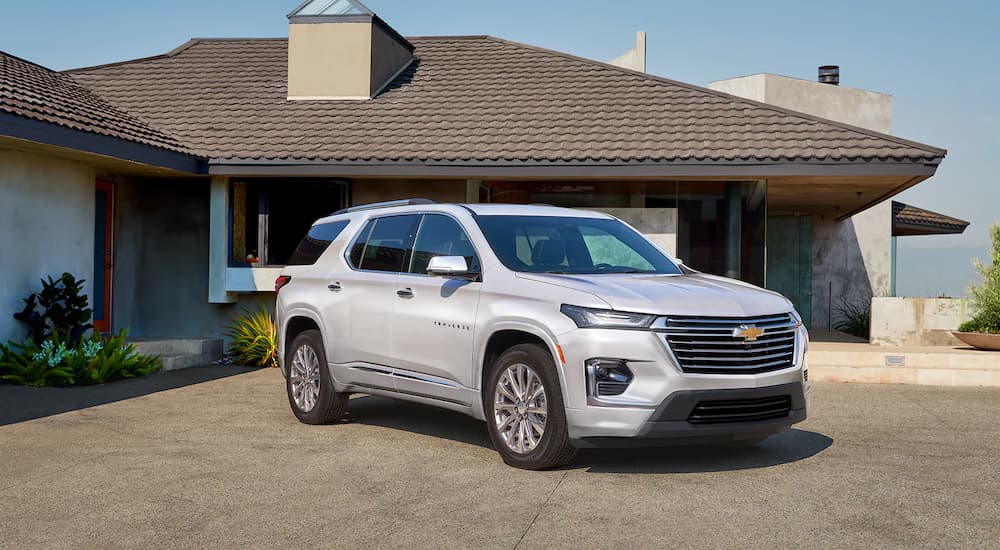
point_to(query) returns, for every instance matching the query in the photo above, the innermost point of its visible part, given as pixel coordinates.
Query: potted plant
(983, 330)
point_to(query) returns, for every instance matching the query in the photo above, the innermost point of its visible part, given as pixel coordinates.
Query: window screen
(316, 242)
(389, 244)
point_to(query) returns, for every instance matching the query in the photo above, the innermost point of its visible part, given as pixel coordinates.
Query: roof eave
(708, 168)
(27, 129)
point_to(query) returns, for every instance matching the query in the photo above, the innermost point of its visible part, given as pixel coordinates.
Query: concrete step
(182, 353)
(920, 365)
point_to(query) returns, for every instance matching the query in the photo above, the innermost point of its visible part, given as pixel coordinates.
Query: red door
(103, 255)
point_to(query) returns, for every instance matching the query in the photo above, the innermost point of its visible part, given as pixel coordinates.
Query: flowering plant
(95, 360)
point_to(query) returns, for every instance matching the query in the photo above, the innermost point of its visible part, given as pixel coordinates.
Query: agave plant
(854, 318)
(254, 339)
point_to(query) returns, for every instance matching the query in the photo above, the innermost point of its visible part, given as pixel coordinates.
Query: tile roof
(910, 220)
(32, 91)
(471, 100)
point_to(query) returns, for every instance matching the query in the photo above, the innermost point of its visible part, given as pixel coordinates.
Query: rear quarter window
(316, 242)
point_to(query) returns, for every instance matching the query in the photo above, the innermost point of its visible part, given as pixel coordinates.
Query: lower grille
(605, 389)
(741, 410)
(731, 345)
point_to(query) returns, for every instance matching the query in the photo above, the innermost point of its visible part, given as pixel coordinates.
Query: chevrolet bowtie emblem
(747, 333)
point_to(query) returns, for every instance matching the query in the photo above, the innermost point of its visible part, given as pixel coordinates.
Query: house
(179, 184)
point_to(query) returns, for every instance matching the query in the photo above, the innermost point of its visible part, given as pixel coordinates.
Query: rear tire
(309, 386)
(521, 398)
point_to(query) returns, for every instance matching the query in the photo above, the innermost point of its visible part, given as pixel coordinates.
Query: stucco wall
(388, 57)
(46, 228)
(161, 268)
(863, 108)
(917, 321)
(852, 259)
(329, 61)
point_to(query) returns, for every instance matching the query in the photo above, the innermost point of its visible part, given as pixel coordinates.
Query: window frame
(406, 254)
(409, 251)
(345, 186)
(423, 216)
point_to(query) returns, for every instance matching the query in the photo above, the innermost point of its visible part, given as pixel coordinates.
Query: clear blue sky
(940, 60)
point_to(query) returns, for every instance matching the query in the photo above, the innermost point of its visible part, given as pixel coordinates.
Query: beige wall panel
(329, 60)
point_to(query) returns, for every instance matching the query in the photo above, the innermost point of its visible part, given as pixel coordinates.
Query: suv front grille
(741, 410)
(706, 345)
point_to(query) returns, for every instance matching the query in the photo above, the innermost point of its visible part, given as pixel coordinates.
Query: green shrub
(21, 363)
(59, 309)
(254, 339)
(854, 318)
(95, 360)
(986, 295)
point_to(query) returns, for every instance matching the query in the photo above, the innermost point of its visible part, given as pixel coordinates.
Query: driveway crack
(540, 508)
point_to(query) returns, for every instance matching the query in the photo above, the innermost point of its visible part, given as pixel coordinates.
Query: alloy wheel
(304, 378)
(519, 408)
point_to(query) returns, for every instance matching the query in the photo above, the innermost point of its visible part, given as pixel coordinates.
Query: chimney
(829, 74)
(635, 58)
(341, 50)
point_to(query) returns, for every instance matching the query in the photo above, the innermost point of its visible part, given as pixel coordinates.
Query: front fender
(523, 325)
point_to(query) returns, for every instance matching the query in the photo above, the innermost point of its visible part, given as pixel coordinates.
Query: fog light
(607, 377)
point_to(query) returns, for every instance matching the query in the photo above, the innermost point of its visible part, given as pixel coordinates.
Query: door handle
(405, 293)
(335, 287)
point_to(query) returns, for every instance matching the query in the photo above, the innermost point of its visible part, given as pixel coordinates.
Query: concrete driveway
(224, 464)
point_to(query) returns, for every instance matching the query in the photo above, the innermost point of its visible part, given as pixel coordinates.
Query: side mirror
(679, 261)
(449, 266)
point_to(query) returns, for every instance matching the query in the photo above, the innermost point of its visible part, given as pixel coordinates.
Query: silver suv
(560, 328)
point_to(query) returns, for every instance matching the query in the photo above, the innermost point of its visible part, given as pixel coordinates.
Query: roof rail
(379, 205)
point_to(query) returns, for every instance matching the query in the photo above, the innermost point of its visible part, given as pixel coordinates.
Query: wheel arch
(297, 322)
(507, 335)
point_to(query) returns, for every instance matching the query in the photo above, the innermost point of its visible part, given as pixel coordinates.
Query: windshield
(553, 244)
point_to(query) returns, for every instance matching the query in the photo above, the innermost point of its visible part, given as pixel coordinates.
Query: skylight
(332, 8)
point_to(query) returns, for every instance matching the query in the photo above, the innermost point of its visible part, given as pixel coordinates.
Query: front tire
(310, 389)
(524, 409)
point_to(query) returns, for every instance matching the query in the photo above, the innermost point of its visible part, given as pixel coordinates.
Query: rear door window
(388, 247)
(316, 242)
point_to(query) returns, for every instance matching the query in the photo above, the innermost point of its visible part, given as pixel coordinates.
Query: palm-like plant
(254, 339)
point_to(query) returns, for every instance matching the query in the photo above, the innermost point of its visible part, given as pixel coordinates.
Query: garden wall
(917, 321)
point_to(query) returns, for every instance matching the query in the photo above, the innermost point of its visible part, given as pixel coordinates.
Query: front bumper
(655, 407)
(668, 424)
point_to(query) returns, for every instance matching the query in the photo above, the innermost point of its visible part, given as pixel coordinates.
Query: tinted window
(316, 242)
(390, 240)
(358, 248)
(441, 236)
(543, 244)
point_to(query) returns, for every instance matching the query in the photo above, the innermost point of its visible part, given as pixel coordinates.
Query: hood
(698, 294)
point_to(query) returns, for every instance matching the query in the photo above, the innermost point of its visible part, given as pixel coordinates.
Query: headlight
(796, 317)
(603, 318)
